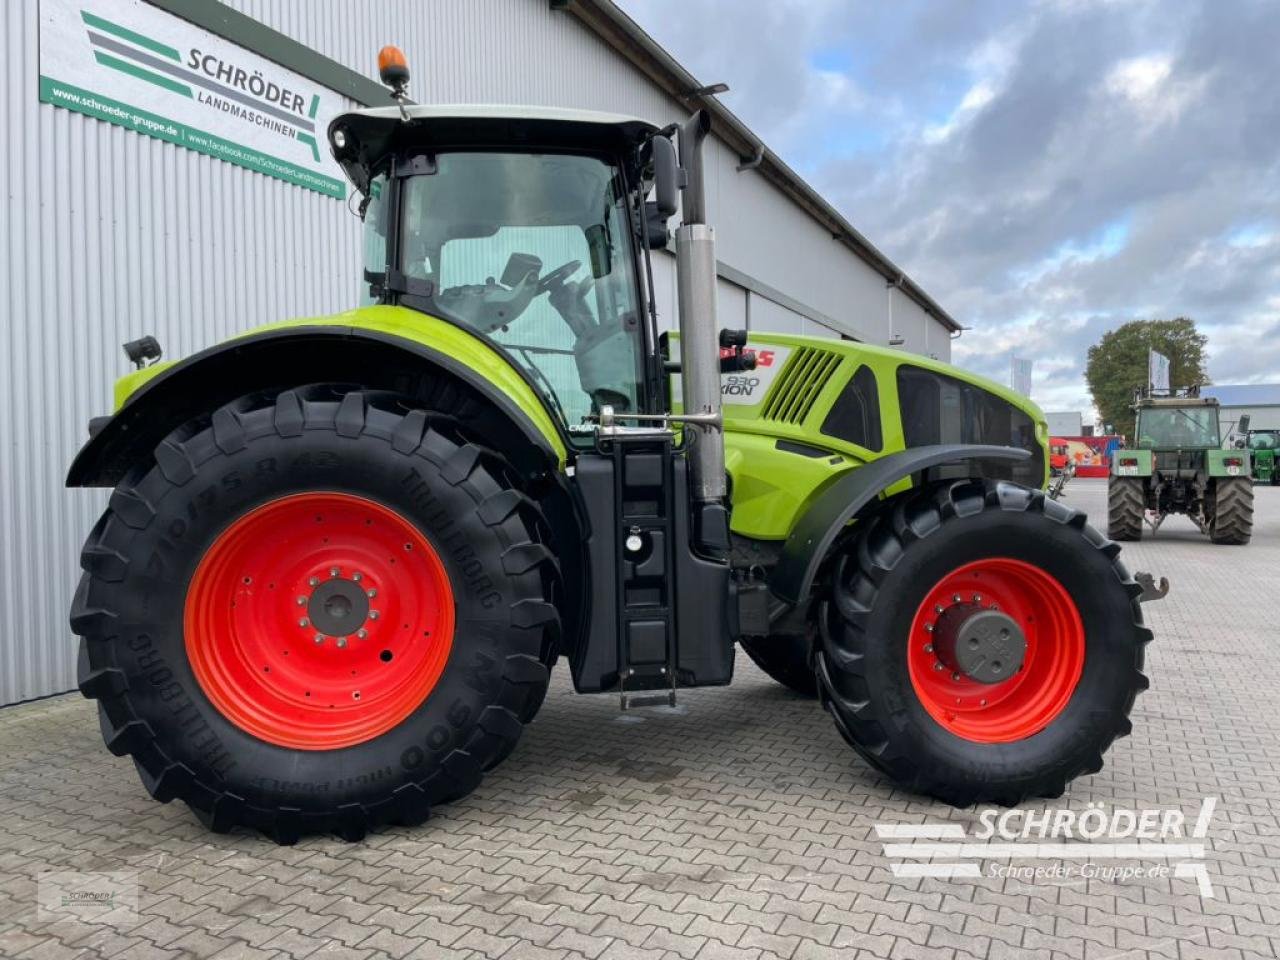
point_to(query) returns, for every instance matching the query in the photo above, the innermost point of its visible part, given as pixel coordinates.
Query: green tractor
(1262, 446)
(1180, 467)
(342, 556)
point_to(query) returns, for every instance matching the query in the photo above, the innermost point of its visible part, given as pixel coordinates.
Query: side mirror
(666, 176)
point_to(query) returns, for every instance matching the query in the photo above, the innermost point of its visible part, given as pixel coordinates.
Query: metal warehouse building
(1260, 401)
(127, 217)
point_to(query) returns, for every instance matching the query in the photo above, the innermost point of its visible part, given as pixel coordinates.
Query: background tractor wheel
(1126, 504)
(1232, 511)
(981, 643)
(316, 612)
(786, 659)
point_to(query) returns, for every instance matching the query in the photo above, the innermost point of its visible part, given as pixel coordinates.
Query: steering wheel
(558, 276)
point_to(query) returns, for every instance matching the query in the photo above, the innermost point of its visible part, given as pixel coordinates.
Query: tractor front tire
(785, 658)
(1126, 504)
(316, 612)
(1232, 511)
(949, 562)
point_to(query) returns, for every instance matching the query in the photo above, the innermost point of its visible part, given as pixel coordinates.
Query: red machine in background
(1090, 455)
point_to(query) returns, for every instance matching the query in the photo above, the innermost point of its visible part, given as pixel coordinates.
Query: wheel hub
(338, 607)
(987, 646)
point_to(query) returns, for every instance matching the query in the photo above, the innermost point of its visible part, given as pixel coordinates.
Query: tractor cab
(520, 225)
(1178, 423)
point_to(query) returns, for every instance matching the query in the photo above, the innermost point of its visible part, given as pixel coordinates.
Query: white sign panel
(1158, 370)
(129, 63)
(1020, 375)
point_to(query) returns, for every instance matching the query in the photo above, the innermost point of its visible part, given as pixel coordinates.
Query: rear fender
(817, 529)
(1228, 463)
(290, 356)
(1132, 463)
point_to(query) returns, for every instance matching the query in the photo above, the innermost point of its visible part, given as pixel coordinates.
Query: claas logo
(764, 358)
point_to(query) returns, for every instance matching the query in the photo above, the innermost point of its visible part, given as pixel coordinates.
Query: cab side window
(936, 408)
(855, 416)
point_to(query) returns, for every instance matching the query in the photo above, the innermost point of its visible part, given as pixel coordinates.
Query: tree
(1117, 364)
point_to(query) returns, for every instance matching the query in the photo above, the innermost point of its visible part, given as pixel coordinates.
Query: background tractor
(1263, 445)
(343, 555)
(1179, 467)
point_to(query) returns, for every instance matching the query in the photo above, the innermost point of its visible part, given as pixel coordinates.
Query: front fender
(832, 510)
(378, 356)
(1229, 463)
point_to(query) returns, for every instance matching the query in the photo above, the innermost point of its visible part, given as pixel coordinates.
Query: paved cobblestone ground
(736, 826)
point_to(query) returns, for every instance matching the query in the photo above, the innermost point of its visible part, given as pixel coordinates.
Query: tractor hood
(815, 408)
(363, 139)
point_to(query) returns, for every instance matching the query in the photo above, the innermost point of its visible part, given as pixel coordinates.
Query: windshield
(532, 251)
(1178, 427)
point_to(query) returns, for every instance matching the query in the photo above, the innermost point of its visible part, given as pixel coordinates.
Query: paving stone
(738, 826)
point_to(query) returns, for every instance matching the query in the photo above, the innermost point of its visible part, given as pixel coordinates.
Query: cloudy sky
(1046, 170)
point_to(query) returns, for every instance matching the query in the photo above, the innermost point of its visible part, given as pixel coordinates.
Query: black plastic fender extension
(840, 502)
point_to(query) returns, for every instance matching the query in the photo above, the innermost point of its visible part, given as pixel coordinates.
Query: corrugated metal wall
(109, 234)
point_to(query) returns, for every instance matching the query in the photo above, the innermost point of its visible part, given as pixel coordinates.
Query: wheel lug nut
(937, 608)
(955, 598)
(928, 648)
(955, 676)
(302, 601)
(362, 633)
(342, 641)
(928, 628)
(314, 581)
(319, 638)
(982, 703)
(937, 666)
(334, 571)
(977, 598)
(372, 594)
(357, 576)
(304, 622)
(373, 614)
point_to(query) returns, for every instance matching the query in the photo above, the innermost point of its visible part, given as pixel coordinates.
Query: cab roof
(1148, 402)
(362, 139)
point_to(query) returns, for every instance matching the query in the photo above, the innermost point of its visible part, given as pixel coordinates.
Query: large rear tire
(1006, 555)
(316, 612)
(1232, 521)
(786, 659)
(1126, 504)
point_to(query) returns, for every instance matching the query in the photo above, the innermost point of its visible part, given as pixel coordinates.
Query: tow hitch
(1150, 590)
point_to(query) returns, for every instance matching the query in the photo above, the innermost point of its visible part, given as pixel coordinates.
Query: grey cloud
(986, 217)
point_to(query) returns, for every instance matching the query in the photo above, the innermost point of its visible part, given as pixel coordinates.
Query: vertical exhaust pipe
(699, 331)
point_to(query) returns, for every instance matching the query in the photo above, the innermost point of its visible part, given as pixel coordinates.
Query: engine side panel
(815, 409)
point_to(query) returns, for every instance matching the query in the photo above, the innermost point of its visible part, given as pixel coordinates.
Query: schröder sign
(129, 63)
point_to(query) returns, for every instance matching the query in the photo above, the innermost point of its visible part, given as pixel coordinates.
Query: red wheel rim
(1029, 700)
(269, 587)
